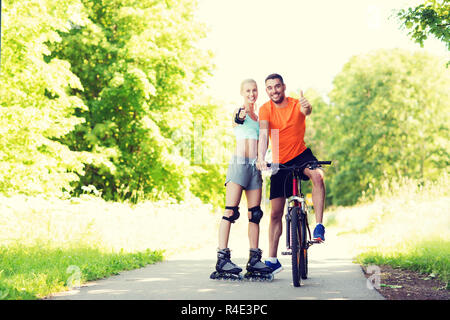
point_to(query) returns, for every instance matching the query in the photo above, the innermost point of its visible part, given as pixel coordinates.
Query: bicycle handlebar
(309, 164)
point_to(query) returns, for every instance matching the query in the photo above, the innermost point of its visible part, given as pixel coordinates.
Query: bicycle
(298, 234)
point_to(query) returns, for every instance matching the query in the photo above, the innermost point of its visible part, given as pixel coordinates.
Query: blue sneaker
(276, 267)
(319, 233)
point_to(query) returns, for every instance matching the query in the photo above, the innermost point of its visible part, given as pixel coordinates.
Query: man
(283, 118)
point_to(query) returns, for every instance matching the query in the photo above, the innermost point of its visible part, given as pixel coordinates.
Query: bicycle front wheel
(303, 260)
(296, 250)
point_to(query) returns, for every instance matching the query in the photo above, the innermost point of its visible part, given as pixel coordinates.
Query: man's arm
(263, 142)
(305, 106)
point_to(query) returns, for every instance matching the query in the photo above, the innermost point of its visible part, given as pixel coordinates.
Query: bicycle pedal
(286, 253)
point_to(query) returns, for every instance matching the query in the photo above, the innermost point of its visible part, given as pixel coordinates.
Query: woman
(243, 175)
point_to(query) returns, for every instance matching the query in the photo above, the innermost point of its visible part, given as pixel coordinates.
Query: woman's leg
(253, 200)
(232, 199)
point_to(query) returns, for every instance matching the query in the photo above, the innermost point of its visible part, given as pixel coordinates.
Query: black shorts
(281, 182)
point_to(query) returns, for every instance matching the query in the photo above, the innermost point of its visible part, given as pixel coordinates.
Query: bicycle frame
(299, 241)
(296, 200)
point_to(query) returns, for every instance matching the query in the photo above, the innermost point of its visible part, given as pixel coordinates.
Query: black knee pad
(257, 214)
(234, 216)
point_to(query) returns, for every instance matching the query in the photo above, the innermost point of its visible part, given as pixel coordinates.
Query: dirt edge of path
(402, 284)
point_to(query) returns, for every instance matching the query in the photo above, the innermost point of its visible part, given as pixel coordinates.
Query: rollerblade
(225, 269)
(256, 269)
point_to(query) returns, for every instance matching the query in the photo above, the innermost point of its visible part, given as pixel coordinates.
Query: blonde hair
(247, 81)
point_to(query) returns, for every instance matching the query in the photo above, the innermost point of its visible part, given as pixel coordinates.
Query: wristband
(237, 119)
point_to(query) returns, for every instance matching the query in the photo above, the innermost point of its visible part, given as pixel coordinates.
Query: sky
(307, 42)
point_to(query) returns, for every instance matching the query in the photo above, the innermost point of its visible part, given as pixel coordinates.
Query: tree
(389, 119)
(36, 104)
(213, 142)
(140, 69)
(430, 18)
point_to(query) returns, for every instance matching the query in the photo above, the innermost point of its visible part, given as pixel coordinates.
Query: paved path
(332, 275)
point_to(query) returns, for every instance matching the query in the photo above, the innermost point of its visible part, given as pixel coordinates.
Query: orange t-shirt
(288, 124)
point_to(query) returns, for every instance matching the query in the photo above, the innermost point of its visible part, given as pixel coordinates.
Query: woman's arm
(263, 142)
(242, 115)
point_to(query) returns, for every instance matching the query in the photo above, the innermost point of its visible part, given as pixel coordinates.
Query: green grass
(32, 272)
(430, 257)
(407, 226)
(47, 242)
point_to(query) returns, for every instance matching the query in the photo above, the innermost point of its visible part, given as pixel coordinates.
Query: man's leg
(276, 225)
(318, 192)
(318, 197)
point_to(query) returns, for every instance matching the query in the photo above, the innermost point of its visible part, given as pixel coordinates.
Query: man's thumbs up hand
(305, 106)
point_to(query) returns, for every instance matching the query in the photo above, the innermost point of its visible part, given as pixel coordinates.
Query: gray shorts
(243, 171)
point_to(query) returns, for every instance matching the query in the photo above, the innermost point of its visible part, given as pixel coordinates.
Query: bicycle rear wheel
(296, 247)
